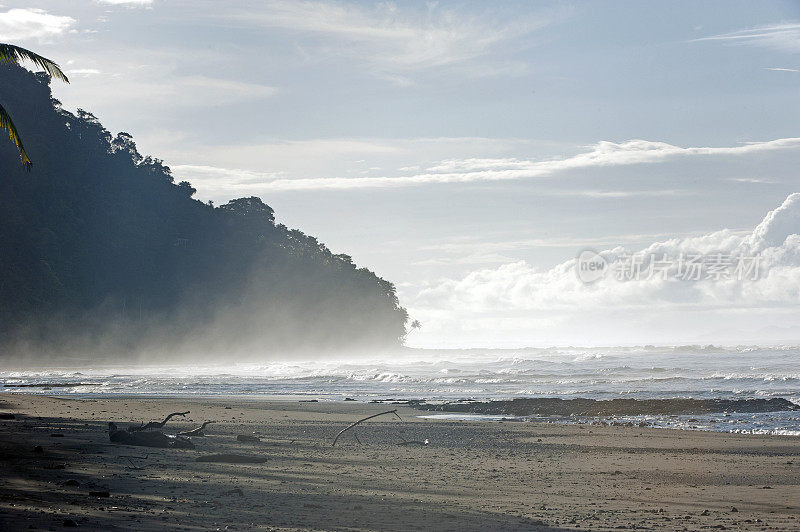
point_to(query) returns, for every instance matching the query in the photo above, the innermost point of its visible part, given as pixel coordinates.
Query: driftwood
(231, 459)
(414, 442)
(129, 458)
(147, 438)
(157, 424)
(350, 426)
(196, 432)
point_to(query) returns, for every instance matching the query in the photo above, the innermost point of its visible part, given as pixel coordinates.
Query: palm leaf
(10, 54)
(7, 124)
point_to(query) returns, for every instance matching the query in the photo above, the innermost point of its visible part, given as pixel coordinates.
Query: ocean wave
(649, 371)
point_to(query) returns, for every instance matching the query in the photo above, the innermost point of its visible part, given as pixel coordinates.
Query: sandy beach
(471, 475)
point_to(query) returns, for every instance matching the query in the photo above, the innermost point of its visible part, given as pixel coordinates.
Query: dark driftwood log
(196, 432)
(148, 438)
(157, 424)
(350, 426)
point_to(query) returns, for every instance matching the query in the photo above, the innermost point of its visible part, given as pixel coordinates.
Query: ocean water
(600, 373)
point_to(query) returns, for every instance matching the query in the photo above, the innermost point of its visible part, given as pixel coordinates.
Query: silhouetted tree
(10, 54)
(187, 188)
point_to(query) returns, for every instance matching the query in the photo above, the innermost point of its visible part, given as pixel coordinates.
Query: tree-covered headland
(102, 252)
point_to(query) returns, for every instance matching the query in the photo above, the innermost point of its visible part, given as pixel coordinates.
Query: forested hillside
(103, 251)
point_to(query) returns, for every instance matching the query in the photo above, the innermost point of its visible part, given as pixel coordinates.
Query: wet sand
(471, 475)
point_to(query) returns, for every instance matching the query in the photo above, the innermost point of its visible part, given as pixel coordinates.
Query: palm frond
(14, 54)
(7, 124)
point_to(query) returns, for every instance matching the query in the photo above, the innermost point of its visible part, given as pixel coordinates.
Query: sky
(470, 151)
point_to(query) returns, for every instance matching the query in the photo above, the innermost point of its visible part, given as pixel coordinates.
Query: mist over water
(600, 373)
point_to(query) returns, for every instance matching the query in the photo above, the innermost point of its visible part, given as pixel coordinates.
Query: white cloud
(29, 23)
(146, 85)
(222, 90)
(193, 90)
(284, 154)
(777, 225)
(467, 245)
(521, 292)
(616, 194)
(776, 69)
(395, 38)
(126, 2)
(83, 71)
(782, 37)
(476, 258)
(504, 169)
(208, 177)
(754, 180)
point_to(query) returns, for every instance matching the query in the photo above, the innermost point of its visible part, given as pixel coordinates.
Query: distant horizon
(146, 361)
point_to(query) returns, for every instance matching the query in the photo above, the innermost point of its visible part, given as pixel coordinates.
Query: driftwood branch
(130, 458)
(196, 432)
(404, 441)
(414, 442)
(158, 424)
(350, 426)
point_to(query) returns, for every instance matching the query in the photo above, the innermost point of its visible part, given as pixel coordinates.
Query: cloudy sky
(469, 151)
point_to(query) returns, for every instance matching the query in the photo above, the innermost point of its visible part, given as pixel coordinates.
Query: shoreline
(471, 475)
(754, 416)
